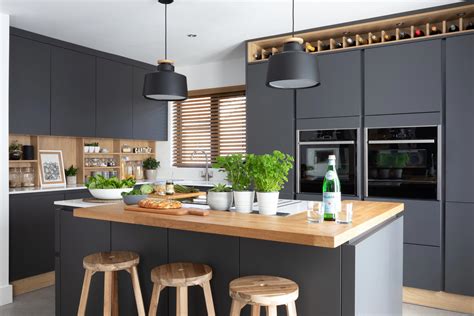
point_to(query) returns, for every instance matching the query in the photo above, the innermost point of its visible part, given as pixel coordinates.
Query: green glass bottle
(331, 191)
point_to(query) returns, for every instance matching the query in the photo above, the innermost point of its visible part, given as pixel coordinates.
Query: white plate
(108, 194)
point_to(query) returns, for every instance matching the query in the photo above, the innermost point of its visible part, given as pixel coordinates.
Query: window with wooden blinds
(214, 124)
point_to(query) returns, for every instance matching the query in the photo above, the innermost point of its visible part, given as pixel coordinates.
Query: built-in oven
(403, 162)
(314, 148)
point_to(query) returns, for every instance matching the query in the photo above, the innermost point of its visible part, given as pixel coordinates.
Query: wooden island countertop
(290, 229)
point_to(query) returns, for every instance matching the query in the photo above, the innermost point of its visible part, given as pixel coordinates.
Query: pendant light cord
(293, 18)
(166, 31)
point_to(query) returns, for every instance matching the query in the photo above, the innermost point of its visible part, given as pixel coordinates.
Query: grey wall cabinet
(29, 87)
(270, 119)
(459, 262)
(114, 99)
(404, 78)
(340, 92)
(73, 93)
(459, 114)
(32, 234)
(150, 118)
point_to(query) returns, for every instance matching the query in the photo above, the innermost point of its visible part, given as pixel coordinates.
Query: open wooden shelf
(23, 161)
(335, 39)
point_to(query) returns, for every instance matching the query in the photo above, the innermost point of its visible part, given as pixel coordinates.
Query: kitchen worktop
(289, 229)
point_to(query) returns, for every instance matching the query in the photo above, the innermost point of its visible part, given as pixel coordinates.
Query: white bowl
(108, 194)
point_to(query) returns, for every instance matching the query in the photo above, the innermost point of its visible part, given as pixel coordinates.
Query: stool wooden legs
(85, 293)
(255, 310)
(291, 309)
(137, 291)
(271, 310)
(206, 286)
(236, 308)
(182, 301)
(155, 299)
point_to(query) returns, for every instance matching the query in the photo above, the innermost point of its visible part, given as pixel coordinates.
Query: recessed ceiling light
(192, 35)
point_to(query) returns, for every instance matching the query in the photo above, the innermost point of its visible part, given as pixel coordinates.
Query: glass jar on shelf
(138, 170)
(15, 178)
(28, 177)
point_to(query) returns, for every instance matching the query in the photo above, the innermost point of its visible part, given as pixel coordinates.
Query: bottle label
(331, 202)
(331, 175)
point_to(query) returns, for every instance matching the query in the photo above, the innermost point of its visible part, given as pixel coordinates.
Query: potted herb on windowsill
(15, 151)
(238, 174)
(71, 175)
(269, 173)
(151, 165)
(220, 197)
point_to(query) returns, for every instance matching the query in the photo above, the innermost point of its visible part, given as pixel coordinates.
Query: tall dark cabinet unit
(114, 99)
(73, 93)
(30, 73)
(459, 262)
(270, 119)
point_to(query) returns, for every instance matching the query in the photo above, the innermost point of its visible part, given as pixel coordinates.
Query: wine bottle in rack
(388, 38)
(324, 46)
(350, 42)
(338, 45)
(419, 33)
(453, 28)
(374, 38)
(310, 48)
(257, 56)
(404, 35)
(267, 54)
(470, 26)
(434, 30)
(361, 40)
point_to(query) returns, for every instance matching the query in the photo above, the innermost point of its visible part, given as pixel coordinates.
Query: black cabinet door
(30, 73)
(150, 118)
(403, 78)
(114, 99)
(72, 93)
(340, 91)
(422, 267)
(32, 234)
(459, 114)
(270, 119)
(459, 262)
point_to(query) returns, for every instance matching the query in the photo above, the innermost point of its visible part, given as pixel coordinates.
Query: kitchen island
(340, 269)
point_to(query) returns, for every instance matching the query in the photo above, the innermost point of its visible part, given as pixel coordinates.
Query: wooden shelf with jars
(74, 153)
(437, 23)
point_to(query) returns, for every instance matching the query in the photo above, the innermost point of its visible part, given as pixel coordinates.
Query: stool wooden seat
(110, 263)
(262, 290)
(181, 275)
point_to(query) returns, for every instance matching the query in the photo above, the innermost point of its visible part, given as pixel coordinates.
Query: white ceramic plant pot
(243, 201)
(220, 201)
(97, 149)
(86, 149)
(267, 202)
(150, 174)
(71, 180)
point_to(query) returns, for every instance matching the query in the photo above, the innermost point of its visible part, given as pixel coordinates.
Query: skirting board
(441, 300)
(6, 294)
(33, 283)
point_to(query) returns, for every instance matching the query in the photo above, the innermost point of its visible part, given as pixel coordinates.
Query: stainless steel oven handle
(342, 142)
(403, 141)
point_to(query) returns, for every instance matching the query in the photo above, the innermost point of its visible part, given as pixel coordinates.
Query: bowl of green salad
(109, 188)
(136, 195)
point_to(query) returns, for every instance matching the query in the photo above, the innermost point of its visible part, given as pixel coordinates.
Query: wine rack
(432, 24)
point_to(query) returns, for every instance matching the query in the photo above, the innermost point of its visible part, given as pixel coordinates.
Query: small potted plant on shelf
(401, 160)
(238, 174)
(86, 148)
(96, 148)
(151, 165)
(15, 150)
(269, 173)
(71, 175)
(220, 197)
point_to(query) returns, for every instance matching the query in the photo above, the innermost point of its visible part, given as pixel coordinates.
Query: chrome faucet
(206, 175)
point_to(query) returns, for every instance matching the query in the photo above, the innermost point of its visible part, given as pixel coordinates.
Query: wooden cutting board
(177, 211)
(177, 196)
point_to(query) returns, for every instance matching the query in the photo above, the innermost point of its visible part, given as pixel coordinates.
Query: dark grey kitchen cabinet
(30, 71)
(114, 99)
(459, 260)
(150, 118)
(459, 114)
(73, 93)
(32, 234)
(340, 91)
(270, 119)
(422, 267)
(404, 78)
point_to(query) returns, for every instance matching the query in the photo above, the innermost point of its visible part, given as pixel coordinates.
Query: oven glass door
(313, 162)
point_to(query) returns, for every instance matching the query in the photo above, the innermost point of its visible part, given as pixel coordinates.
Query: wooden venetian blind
(214, 124)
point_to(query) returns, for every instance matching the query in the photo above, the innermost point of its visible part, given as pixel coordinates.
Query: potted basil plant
(15, 150)
(151, 165)
(238, 174)
(220, 197)
(71, 175)
(269, 173)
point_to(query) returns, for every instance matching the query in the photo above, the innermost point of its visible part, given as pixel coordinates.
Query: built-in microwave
(403, 162)
(313, 150)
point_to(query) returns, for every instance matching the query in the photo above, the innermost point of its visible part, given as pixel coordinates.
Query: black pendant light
(293, 68)
(165, 84)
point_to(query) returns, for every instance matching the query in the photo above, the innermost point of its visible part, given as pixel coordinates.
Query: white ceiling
(134, 28)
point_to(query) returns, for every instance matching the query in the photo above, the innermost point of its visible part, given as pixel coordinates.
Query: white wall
(212, 75)
(5, 288)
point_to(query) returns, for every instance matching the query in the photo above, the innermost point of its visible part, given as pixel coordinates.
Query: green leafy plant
(401, 160)
(184, 189)
(237, 169)
(151, 163)
(15, 146)
(133, 192)
(392, 160)
(220, 187)
(99, 182)
(146, 189)
(71, 171)
(270, 171)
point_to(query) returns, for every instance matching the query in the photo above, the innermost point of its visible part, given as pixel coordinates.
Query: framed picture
(51, 168)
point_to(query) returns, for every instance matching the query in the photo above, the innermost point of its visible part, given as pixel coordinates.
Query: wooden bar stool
(180, 276)
(110, 263)
(262, 290)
